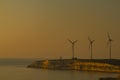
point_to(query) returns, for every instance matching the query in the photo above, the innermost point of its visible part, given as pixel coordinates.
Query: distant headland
(96, 65)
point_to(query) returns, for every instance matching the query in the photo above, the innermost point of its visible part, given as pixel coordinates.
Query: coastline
(95, 65)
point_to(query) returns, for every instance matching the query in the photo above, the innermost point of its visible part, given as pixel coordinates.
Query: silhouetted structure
(109, 43)
(73, 44)
(91, 46)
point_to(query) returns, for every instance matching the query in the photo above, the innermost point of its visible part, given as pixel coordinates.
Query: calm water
(14, 69)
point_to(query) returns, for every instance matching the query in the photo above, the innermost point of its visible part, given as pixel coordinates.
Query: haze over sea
(15, 69)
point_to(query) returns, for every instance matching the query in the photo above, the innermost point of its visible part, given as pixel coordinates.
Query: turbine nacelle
(72, 42)
(109, 38)
(91, 41)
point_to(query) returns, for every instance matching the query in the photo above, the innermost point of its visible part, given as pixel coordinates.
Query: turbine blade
(89, 39)
(70, 41)
(75, 41)
(93, 40)
(108, 36)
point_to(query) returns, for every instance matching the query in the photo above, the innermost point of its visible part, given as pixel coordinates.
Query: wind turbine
(73, 44)
(91, 46)
(109, 43)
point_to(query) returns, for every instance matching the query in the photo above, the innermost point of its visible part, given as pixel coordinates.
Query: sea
(16, 69)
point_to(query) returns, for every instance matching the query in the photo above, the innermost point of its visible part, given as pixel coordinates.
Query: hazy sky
(40, 28)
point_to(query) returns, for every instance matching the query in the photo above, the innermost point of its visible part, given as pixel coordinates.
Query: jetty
(98, 65)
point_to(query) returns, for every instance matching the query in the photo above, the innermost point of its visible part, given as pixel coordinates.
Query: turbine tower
(73, 44)
(109, 43)
(91, 46)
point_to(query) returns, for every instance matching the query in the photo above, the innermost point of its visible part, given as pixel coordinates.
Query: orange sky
(40, 28)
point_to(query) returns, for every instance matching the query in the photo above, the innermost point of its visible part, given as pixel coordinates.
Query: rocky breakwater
(70, 64)
(52, 64)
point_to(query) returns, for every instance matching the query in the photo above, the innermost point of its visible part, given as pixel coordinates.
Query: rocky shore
(99, 65)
